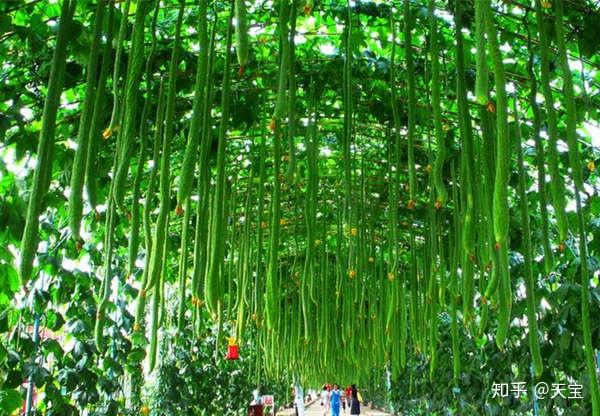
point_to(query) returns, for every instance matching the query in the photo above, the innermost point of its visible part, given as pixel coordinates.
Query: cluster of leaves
(59, 356)
(194, 378)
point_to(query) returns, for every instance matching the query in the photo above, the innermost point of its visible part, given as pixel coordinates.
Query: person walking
(355, 402)
(299, 399)
(335, 400)
(325, 399)
(348, 396)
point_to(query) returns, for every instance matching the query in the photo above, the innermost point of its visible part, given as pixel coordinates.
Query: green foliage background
(192, 377)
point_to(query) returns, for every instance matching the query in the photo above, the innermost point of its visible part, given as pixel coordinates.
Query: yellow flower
(107, 133)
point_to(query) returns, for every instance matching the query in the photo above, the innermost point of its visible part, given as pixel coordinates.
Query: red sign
(268, 400)
(232, 352)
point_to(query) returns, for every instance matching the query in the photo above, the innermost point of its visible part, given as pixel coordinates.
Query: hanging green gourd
(106, 284)
(212, 290)
(272, 288)
(241, 35)
(440, 140)
(134, 238)
(158, 246)
(284, 55)
(132, 84)
(183, 267)
(467, 260)
(43, 168)
(500, 202)
(83, 135)
(148, 204)
(412, 102)
(393, 243)
(291, 113)
(481, 74)
(540, 160)
(100, 99)
(487, 152)
(347, 136)
(201, 246)
(402, 330)
(557, 186)
(532, 321)
(116, 114)
(186, 177)
(158, 309)
(310, 214)
(260, 226)
(453, 240)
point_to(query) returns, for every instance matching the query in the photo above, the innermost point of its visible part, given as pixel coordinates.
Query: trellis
(309, 265)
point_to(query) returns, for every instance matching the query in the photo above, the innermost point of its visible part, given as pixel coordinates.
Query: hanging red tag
(233, 352)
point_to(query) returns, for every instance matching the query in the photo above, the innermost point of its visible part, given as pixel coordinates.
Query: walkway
(315, 409)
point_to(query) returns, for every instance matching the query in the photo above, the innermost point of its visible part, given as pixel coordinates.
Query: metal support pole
(31, 384)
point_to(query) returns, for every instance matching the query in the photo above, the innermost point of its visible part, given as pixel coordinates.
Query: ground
(316, 410)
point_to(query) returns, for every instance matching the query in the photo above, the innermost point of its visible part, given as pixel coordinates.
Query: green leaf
(52, 346)
(3, 354)
(54, 320)
(11, 282)
(10, 400)
(588, 38)
(4, 23)
(136, 356)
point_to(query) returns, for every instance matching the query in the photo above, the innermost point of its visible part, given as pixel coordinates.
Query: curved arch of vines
(413, 158)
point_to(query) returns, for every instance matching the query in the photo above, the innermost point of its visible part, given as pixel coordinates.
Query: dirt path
(316, 410)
